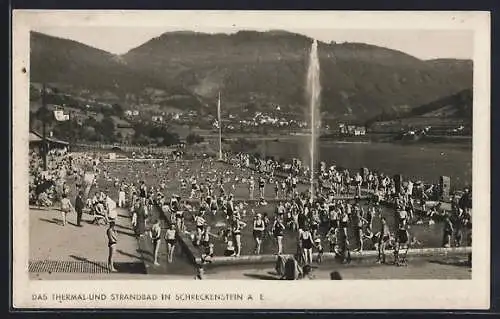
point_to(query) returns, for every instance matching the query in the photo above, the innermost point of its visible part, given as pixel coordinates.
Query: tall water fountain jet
(313, 91)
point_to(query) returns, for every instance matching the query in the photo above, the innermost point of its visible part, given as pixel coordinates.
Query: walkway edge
(369, 254)
(192, 253)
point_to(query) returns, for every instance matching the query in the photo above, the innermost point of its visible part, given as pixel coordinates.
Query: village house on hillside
(352, 129)
(131, 113)
(157, 118)
(360, 130)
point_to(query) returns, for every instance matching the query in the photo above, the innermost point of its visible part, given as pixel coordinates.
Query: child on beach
(66, 207)
(230, 249)
(208, 254)
(319, 248)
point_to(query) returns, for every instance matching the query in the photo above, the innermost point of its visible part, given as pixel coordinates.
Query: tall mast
(220, 128)
(44, 129)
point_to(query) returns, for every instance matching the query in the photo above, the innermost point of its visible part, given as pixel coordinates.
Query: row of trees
(53, 96)
(105, 131)
(146, 134)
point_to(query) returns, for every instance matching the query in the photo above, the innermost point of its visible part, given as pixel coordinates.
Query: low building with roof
(36, 142)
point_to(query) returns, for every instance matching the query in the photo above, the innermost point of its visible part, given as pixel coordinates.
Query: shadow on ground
(52, 221)
(125, 233)
(122, 267)
(261, 276)
(458, 263)
(83, 259)
(127, 254)
(123, 227)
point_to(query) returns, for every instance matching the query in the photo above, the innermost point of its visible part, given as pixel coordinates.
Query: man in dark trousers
(465, 201)
(79, 205)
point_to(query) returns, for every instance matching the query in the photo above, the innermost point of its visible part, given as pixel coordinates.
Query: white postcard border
(347, 294)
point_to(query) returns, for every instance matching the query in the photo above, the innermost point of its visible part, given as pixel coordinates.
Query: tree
(106, 129)
(117, 109)
(170, 139)
(34, 93)
(147, 133)
(194, 138)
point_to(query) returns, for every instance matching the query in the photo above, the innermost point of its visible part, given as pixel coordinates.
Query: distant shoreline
(369, 138)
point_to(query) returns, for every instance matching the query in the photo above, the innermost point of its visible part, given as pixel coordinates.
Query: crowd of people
(408, 198)
(311, 221)
(327, 217)
(48, 184)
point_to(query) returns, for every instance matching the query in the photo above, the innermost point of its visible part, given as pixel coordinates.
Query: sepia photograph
(268, 151)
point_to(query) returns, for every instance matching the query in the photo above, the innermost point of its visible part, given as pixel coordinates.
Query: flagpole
(44, 129)
(72, 132)
(220, 128)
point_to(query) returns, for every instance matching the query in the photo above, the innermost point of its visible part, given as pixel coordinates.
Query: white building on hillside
(157, 118)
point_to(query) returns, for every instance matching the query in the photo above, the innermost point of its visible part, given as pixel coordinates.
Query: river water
(426, 162)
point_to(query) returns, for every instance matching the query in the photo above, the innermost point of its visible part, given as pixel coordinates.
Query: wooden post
(45, 147)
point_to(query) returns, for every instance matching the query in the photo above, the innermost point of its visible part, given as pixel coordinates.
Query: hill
(358, 80)
(446, 113)
(55, 60)
(188, 69)
(455, 106)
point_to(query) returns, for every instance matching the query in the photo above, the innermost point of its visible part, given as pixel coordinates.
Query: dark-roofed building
(36, 141)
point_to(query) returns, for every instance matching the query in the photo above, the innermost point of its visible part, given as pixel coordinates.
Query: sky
(423, 44)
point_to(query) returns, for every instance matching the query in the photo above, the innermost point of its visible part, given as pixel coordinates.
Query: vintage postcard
(231, 159)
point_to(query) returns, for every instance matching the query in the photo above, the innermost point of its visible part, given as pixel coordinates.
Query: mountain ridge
(358, 80)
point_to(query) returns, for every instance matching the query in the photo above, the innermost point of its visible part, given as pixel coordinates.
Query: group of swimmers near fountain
(340, 205)
(315, 220)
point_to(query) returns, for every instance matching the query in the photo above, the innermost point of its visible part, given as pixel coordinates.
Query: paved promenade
(415, 270)
(74, 253)
(68, 249)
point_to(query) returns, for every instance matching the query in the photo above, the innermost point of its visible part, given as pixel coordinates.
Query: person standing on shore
(112, 241)
(200, 227)
(171, 239)
(276, 190)
(79, 205)
(251, 187)
(357, 226)
(284, 194)
(383, 238)
(258, 232)
(155, 233)
(66, 208)
(347, 181)
(143, 190)
(277, 230)
(319, 247)
(111, 208)
(447, 232)
(465, 202)
(262, 184)
(369, 181)
(292, 269)
(139, 217)
(200, 273)
(358, 180)
(307, 244)
(237, 225)
(376, 181)
(121, 197)
(409, 190)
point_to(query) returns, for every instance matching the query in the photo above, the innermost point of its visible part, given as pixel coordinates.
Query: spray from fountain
(313, 91)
